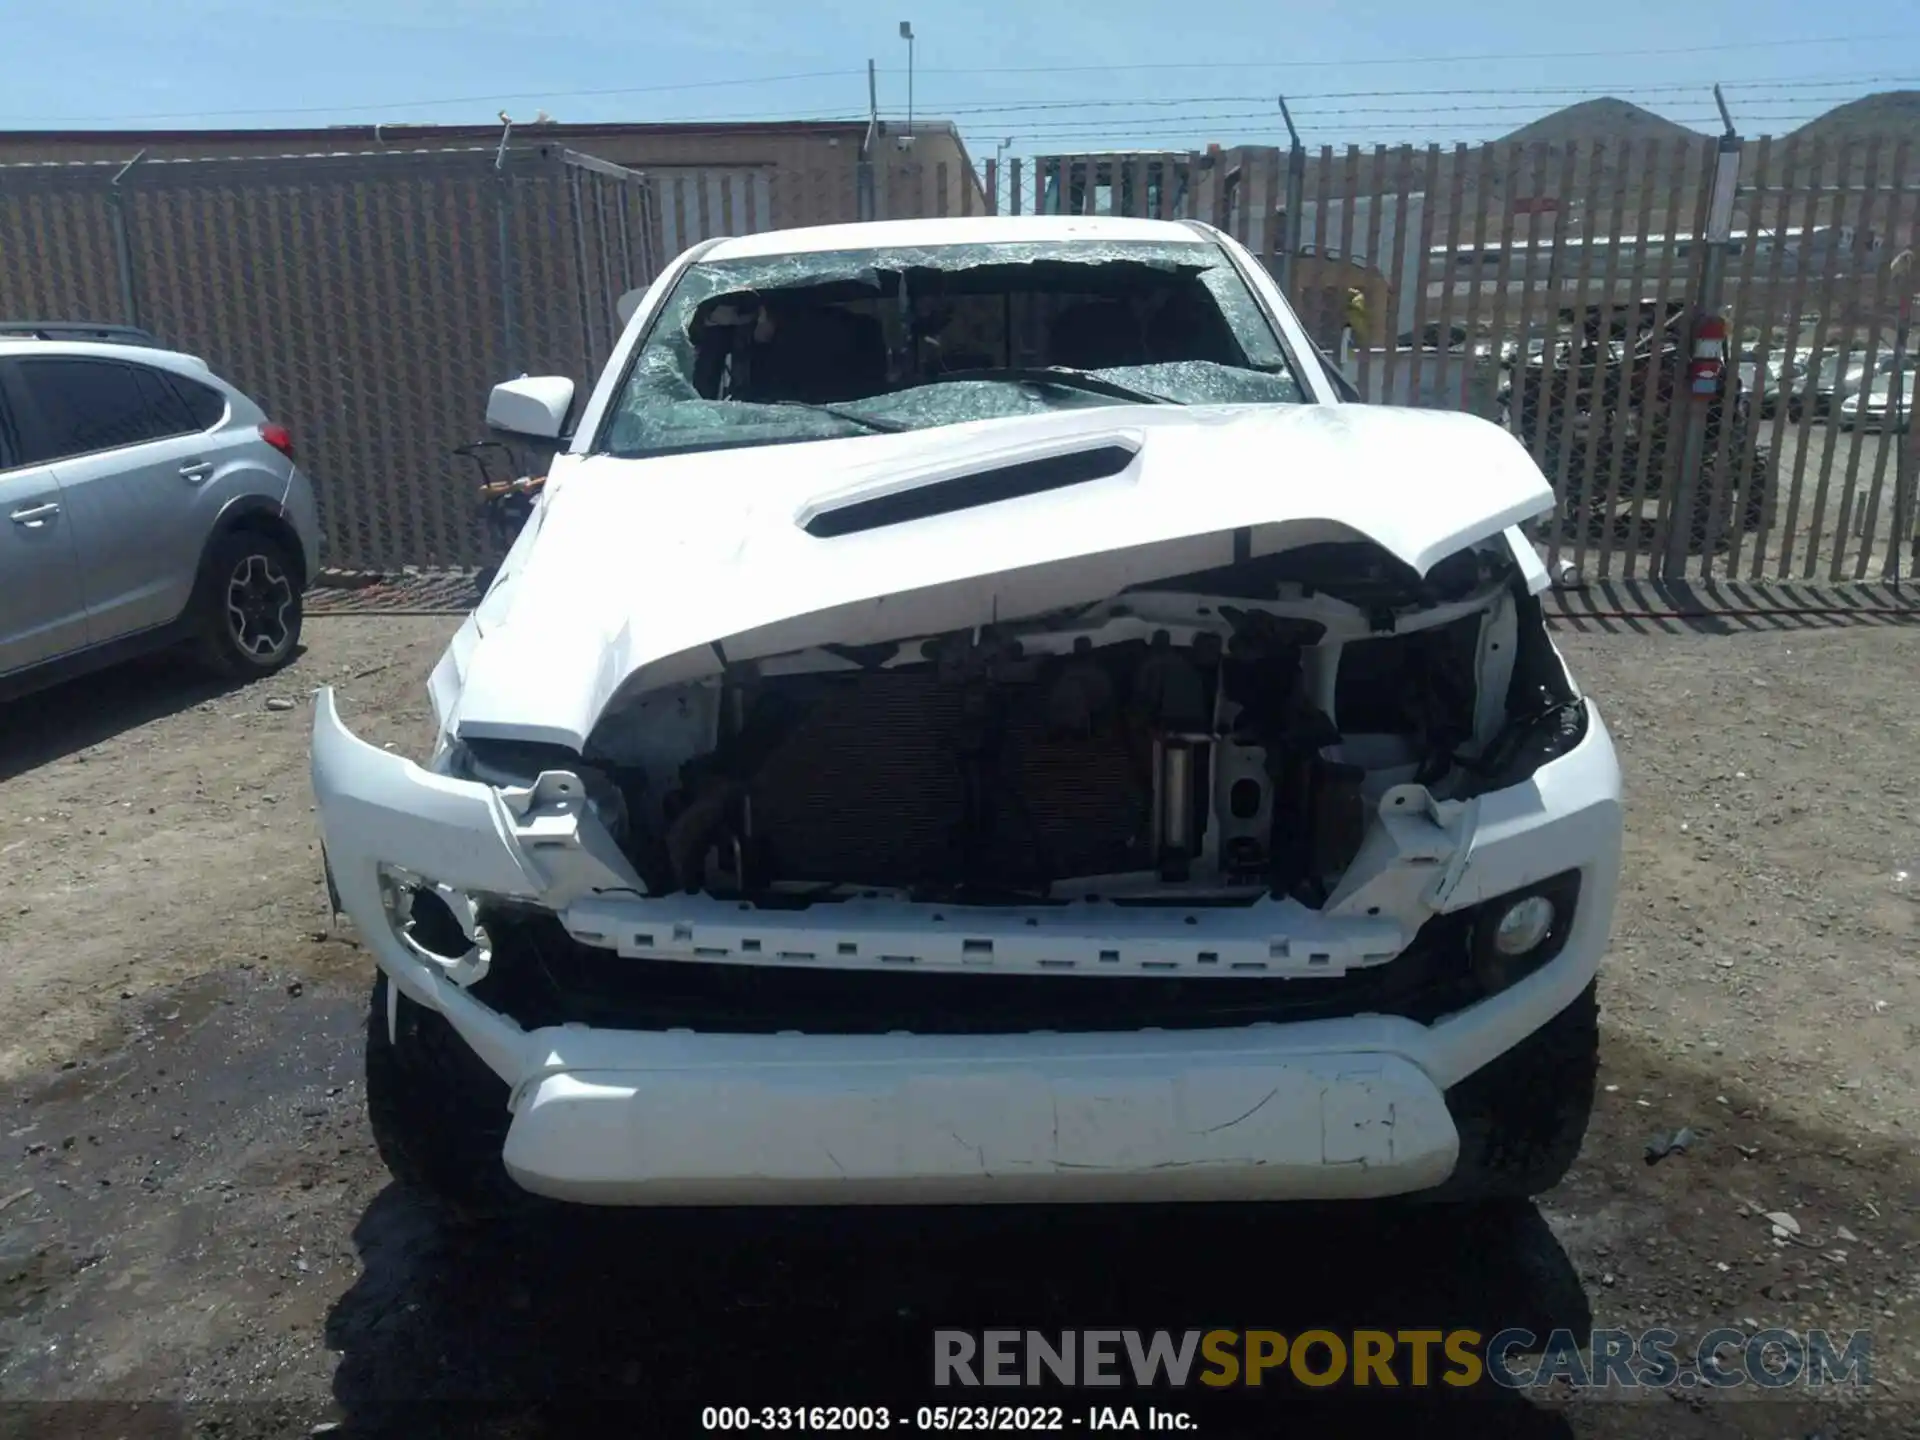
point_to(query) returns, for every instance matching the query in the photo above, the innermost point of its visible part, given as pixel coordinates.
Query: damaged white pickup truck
(974, 717)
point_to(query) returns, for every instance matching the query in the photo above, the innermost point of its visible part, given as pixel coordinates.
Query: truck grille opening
(977, 772)
(1144, 747)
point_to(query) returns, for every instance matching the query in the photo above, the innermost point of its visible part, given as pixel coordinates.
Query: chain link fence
(367, 301)
(370, 301)
(1553, 289)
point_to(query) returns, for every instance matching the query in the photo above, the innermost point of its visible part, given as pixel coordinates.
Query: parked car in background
(147, 503)
(1819, 390)
(1843, 376)
(1604, 392)
(974, 715)
(1874, 408)
(1778, 382)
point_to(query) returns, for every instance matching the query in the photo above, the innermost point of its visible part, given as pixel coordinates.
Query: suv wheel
(1523, 1117)
(252, 610)
(438, 1114)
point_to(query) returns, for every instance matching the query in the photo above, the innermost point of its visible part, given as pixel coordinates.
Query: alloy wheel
(259, 600)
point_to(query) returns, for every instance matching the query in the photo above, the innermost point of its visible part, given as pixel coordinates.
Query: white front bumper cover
(1334, 1108)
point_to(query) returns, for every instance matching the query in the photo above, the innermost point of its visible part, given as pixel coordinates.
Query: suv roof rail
(78, 330)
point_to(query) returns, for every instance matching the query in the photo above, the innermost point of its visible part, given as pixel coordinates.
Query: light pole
(906, 34)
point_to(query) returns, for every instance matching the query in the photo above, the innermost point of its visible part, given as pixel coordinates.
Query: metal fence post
(578, 212)
(865, 201)
(503, 208)
(1688, 480)
(1899, 424)
(1289, 236)
(122, 241)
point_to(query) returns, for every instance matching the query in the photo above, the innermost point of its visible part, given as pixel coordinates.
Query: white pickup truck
(973, 717)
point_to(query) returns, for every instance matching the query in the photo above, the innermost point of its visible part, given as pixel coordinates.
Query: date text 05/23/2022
(943, 1419)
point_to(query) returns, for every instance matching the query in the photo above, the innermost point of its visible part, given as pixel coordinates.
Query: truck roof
(958, 230)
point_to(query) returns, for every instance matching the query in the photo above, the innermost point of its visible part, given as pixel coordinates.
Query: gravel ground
(191, 1212)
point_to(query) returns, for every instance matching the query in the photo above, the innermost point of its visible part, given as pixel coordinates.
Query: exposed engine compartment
(982, 771)
(1210, 738)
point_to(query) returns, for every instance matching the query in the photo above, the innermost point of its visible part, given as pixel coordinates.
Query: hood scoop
(950, 494)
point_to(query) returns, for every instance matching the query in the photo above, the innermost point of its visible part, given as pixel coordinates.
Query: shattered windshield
(840, 343)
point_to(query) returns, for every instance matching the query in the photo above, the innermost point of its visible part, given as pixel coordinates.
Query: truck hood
(645, 573)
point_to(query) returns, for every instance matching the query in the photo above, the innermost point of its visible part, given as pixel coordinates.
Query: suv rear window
(208, 405)
(79, 406)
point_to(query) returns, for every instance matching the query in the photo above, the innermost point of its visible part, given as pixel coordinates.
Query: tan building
(369, 284)
(714, 179)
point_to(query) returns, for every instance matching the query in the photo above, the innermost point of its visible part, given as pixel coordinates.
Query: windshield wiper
(879, 427)
(1063, 376)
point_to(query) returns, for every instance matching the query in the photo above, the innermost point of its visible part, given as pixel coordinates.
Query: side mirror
(533, 405)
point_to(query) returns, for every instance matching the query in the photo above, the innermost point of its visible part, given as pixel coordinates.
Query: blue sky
(1052, 77)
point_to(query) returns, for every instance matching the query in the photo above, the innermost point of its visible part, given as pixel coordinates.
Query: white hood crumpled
(645, 573)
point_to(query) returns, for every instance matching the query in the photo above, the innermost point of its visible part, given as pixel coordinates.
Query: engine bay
(1210, 738)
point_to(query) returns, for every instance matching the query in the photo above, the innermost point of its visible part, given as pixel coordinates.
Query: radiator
(868, 786)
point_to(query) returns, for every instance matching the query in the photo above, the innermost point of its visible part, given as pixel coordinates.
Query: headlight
(1517, 933)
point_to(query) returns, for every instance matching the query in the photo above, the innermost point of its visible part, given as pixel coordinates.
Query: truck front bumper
(1350, 1107)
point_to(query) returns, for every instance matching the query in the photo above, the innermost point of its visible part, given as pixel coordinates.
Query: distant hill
(1863, 138)
(1847, 136)
(1609, 163)
(1606, 118)
(1893, 114)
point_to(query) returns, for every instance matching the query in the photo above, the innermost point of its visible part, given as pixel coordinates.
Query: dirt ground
(191, 1211)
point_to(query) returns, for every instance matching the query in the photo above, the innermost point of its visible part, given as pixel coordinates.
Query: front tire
(1522, 1117)
(250, 610)
(439, 1115)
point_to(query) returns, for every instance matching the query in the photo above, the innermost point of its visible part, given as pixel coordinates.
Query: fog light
(1516, 936)
(1522, 926)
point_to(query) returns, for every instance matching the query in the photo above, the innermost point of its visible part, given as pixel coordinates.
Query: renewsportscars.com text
(1626, 1359)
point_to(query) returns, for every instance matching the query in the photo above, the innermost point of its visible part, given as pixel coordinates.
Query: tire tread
(438, 1114)
(1522, 1117)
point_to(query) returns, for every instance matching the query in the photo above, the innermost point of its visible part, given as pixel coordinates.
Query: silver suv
(147, 504)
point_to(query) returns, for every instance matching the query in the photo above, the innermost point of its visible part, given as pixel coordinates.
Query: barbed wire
(498, 98)
(1267, 121)
(1348, 64)
(1783, 90)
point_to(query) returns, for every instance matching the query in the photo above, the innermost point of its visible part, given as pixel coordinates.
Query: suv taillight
(279, 437)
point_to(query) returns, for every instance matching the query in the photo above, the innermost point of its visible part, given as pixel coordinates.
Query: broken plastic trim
(544, 977)
(1546, 718)
(965, 492)
(437, 924)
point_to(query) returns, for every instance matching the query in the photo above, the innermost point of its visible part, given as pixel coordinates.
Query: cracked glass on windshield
(843, 343)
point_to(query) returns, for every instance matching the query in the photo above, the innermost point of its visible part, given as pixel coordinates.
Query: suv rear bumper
(302, 514)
